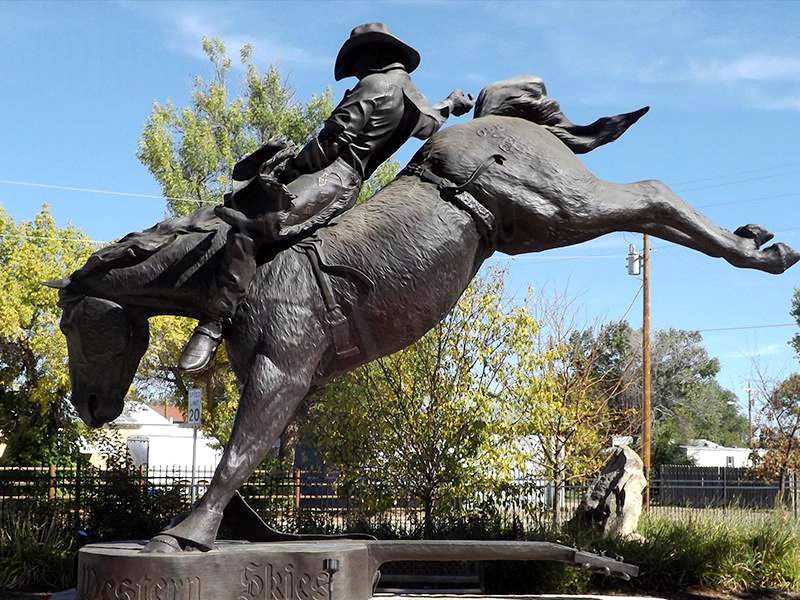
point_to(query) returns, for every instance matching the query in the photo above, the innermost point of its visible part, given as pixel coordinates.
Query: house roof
(173, 413)
(703, 444)
(136, 414)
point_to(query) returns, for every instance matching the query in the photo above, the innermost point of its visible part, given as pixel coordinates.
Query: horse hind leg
(652, 207)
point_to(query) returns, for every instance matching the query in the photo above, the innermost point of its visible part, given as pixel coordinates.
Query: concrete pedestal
(320, 570)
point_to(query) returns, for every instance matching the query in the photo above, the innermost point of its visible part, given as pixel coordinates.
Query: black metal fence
(311, 501)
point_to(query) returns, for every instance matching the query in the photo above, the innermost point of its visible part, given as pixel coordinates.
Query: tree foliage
(36, 420)
(687, 400)
(796, 314)
(191, 152)
(428, 421)
(779, 433)
(562, 396)
(480, 399)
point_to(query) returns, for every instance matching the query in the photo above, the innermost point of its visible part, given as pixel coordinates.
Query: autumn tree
(36, 421)
(428, 422)
(796, 314)
(562, 396)
(779, 431)
(191, 152)
(779, 417)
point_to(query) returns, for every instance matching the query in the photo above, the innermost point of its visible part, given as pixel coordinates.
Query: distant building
(156, 441)
(172, 413)
(705, 453)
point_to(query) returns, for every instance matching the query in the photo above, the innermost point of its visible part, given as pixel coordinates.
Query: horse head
(105, 343)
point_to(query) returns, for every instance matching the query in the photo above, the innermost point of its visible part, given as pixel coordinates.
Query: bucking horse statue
(370, 282)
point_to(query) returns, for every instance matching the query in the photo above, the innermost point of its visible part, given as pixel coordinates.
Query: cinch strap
(458, 195)
(337, 321)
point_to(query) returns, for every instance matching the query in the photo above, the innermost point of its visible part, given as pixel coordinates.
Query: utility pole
(749, 391)
(640, 265)
(647, 376)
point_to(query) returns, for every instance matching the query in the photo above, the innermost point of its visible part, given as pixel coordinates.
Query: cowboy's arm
(457, 103)
(344, 125)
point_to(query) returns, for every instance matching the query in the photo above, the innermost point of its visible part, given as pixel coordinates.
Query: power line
(99, 191)
(748, 200)
(198, 201)
(639, 291)
(748, 327)
(738, 328)
(707, 187)
(761, 170)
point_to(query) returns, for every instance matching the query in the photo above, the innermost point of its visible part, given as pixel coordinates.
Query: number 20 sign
(195, 407)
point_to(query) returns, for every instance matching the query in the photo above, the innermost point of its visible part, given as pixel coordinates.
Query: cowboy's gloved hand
(261, 228)
(460, 102)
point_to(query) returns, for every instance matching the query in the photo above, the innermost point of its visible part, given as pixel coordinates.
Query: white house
(156, 441)
(706, 453)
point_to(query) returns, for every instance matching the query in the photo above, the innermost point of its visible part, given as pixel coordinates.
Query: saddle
(258, 191)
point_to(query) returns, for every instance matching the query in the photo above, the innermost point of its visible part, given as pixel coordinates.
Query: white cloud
(711, 57)
(193, 26)
(753, 67)
(186, 24)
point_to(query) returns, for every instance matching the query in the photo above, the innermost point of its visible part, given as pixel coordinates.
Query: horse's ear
(58, 284)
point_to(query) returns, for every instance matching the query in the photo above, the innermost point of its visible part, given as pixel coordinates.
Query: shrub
(125, 506)
(724, 554)
(37, 550)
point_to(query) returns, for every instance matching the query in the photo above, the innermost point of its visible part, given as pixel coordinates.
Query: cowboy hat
(372, 33)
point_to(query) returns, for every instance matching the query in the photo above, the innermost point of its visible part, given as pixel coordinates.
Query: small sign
(195, 407)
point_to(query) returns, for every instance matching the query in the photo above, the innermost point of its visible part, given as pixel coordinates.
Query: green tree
(561, 402)
(429, 422)
(36, 420)
(687, 400)
(191, 152)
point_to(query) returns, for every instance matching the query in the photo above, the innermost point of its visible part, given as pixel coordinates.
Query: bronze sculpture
(371, 280)
(373, 120)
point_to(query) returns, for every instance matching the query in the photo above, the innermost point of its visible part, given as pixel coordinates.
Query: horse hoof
(162, 544)
(782, 257)
(756, 233)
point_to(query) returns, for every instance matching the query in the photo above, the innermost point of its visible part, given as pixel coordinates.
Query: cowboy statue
(323, 180)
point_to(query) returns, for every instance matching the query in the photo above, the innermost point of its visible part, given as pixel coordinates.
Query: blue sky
(723, 80)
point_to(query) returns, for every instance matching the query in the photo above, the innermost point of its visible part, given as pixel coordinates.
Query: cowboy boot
(227, 290)
(201, 348)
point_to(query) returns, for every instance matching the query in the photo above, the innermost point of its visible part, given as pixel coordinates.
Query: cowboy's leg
(229, 286)
(319, 197)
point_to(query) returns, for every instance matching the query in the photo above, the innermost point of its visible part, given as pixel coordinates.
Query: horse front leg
(652, 207)
(271, 396)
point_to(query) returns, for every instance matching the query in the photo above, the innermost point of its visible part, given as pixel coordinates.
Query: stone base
(231, 571)
(319, 570)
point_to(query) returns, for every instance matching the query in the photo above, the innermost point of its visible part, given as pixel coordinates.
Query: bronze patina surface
(331, 570)
(369, 281)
